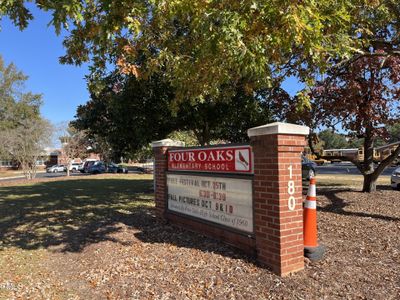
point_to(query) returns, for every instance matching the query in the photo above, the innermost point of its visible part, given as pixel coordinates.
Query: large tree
(203, 45)
(332, 140)
(74, 143)
(23, 132)
(394, 133)
(26, 142)
(127, 114)
(364, 96)
(130, 113)
(217, 119)
(16, 103)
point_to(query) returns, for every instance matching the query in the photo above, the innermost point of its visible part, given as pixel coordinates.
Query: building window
(40, 162)
(6, 163)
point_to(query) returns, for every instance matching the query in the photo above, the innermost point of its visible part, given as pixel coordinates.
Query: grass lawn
(347, 180)
(15, 173)
(5, 174)
(62, 216)
(96, 237)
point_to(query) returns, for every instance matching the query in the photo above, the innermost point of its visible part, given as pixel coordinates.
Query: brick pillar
(160, 149)
(278, 209)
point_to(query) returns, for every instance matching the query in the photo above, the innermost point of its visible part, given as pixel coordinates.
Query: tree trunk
(368, 165)
(34, 171)
(68, 162)
(206, 134)
(203, 136)
(311, 138)
(369, 184)
(199, 137)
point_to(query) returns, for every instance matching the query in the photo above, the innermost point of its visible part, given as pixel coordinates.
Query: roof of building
(388, 145)
(343, 149)
(52, 151)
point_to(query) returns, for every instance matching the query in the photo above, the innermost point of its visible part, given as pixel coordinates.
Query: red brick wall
(241, 241)
(160, 177)
(278, 230)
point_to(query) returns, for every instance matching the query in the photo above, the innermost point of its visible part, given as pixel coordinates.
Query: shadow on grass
(72, 214)
(339, 204)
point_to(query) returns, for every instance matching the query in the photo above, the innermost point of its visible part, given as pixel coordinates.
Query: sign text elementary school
(248, 196)
(225, 201)
(232, 159)
(198, 188)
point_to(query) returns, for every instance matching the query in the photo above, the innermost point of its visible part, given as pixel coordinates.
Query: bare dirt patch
(130, 255)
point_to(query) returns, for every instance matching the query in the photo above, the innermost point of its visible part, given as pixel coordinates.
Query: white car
(395, 179)
(74, 167)
(56, 168)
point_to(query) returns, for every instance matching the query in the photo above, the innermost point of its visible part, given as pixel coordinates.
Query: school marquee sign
(225, 201)
(228, 159)
(248, 196)
(211, 197)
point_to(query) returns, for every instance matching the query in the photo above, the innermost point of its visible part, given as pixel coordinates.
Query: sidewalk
(15, 175)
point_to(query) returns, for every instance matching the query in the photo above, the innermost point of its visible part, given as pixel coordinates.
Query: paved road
(59, 174)
(332, 169)
(345, 168)
(53, 175)
(43, 175)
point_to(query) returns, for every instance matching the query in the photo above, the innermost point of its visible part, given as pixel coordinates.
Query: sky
(35, 52)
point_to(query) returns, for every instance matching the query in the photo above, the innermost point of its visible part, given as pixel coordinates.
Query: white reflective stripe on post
(310, 204)
(312, 191)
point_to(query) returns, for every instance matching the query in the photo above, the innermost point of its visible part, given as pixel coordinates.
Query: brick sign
(225, 201)
(231, 159)
(247, 196)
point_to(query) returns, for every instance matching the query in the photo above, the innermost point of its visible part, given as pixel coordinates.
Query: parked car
(74, 167)
(56, 169)
(148, 169)
(86, 165)
(395, 179)
(97, 167)
(114, 168)
(308, 168)
(137, 170)
(396, 162)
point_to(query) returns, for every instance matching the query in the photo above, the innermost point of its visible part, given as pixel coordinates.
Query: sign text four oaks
(221, 200)
(233, 159)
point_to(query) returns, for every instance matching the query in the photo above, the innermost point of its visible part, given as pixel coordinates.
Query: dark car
(86, 165)
(114, 168)
(97, 168)
(308, 168)
(395, 179)
(138, 170)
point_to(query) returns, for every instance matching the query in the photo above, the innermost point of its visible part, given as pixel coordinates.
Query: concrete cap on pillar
(278, 128)
(167, 143)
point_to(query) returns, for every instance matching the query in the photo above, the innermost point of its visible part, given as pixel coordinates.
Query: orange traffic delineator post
(312, 249)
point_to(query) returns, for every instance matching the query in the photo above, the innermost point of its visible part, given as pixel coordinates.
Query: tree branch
(311, 146)
(386, 162)
(358, 56)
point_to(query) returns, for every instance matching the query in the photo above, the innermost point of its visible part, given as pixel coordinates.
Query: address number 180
(291, 190)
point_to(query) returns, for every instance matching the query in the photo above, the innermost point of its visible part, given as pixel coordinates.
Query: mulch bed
(145, 259)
